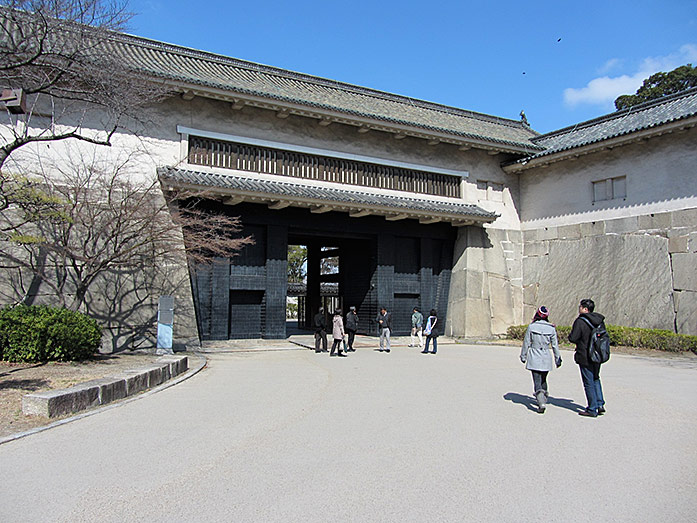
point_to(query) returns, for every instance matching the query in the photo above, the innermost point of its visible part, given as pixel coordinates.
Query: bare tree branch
(57, 53)
(89, 221)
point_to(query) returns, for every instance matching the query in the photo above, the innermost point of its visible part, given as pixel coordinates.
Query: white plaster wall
(661, 176)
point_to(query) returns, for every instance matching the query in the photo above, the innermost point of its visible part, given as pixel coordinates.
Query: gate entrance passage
(398, 265)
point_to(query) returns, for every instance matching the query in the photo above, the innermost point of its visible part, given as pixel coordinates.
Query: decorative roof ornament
(524, 119)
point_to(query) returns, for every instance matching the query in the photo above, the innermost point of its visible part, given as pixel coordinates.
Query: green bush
(627, 337)
(38, 334)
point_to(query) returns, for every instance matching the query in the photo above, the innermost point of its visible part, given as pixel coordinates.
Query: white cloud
(603, 90)
(611, 64)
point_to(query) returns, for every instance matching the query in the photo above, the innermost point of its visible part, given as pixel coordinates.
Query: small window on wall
(610, 189)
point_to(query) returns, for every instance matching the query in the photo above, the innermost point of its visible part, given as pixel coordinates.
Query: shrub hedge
(628, 337)
(39, 333)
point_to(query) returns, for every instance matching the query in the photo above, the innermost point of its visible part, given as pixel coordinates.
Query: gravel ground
(18, 379)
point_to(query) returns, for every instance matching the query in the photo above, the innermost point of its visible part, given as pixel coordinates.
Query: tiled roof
(345, 197)
(645, 116)
(198, 68)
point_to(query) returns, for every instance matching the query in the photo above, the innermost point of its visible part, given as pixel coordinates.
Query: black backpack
(599, 345)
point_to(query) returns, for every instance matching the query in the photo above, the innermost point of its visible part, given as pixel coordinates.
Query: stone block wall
(641, 270)
(486, 292)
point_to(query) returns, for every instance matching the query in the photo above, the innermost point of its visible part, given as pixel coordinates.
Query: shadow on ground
(531, 403)
(28, 384)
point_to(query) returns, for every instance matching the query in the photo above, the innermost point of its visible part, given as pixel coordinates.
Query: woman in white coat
(540, 337)
(338, 333)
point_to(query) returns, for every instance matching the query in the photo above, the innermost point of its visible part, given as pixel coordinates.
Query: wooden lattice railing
(230, 155)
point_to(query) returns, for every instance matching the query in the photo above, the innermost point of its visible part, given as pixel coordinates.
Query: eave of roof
(654, 118)
(234, 188)
(217, 76)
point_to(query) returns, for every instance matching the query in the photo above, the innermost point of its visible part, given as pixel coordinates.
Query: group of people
(340, 330)
(541, 337)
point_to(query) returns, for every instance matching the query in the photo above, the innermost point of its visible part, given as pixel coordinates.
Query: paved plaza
(279, 433)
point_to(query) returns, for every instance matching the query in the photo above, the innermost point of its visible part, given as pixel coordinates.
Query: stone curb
(174, 380)
(94, 393)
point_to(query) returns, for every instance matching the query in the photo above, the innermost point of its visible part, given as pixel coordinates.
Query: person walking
(337, 333)
(351, 327)
(417, 321)
(540, 336)
(320, 324)
(431, 331)
(590, 372)
(384, 321)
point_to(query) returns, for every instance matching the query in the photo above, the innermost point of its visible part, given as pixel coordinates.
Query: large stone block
(531, 269)
(536, 249)
(622, 225)
(501, 303)
(677, 244)
(592, 228)
(685, 271)
(547, 233)
(154, 374)
(530, 293)
(572, 232)
(110, 389)
(478, 319)
(692, 242)
(530, 235)
(474, 285)
(621, 273)
(685, 218)
(177, 364)
(657, 221)
(55, 403)
(686, 306)
(136, 381)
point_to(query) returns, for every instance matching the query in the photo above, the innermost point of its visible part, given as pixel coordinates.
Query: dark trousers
(351, 336)
(321, 336)
(435, 343)
(539, 380)
(336, 345)
(592, 387)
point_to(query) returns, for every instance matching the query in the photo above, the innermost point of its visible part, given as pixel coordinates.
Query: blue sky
(562, 62)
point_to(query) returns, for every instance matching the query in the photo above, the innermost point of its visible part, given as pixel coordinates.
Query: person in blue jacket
(431, 330)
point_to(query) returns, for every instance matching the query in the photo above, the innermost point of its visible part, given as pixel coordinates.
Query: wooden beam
(320, 209)
(435, 141)
(279, 205)
(464, 147)
(399, 136)
(360, 214)
(395, 217)
(237, 104)
(282, 114)
(429, 220)
(463, 223)
(363, 129)
(492, 153)
(324, 122)
(233, 200)
(188, 95)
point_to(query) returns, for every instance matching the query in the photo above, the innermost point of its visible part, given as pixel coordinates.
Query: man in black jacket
(590, 372)
(320, 324)
(351, 327)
